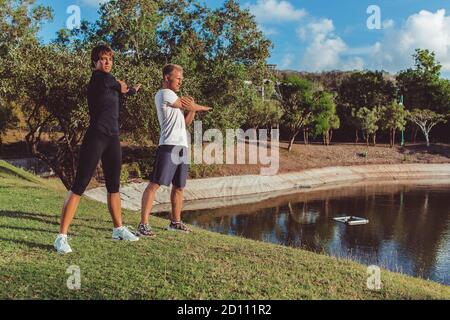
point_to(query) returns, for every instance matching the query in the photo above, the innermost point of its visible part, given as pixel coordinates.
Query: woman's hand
(137, 87)
(123, 86)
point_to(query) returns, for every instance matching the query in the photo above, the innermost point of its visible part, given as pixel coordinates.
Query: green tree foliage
(325, 119)
(363, 89)
(394, 117)
(368, 120)
(19, 24)
(422, 87)
(263, 113)
(298, 103)
(53, 91)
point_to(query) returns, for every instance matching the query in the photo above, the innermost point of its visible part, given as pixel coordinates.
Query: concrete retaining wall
(222, 191)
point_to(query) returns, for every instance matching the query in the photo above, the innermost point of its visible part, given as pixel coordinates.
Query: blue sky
(317, 35)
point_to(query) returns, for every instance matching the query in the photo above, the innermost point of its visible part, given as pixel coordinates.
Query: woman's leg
(90, 153)
(112, 164)
(68, 211)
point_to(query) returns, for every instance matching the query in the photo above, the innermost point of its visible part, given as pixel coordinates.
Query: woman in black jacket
(101, 141)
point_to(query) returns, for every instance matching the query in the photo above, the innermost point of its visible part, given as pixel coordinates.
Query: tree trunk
(427, 138)
(331, 136)
(291, 142)
(415, 135)
(393, 137)
(356, 136)
(374, 137)
(327, 138)
(367, 138)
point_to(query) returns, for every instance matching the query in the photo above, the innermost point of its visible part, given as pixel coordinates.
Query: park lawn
(202, 265)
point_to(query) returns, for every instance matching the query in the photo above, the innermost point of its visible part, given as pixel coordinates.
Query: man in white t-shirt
(170, 166)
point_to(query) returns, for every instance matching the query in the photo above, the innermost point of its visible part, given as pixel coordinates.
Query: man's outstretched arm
(189, 104)
(189, 117)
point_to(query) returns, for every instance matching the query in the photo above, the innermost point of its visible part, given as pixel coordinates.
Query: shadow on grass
(32, 245)
(30, 216)
(433, 149)
(26, 229)
(44, 218)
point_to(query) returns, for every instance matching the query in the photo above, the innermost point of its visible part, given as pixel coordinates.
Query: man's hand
(123, 86)
(189, 104)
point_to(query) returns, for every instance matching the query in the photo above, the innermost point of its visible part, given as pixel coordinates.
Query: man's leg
(147, 201)
(176, 195)
(176, 198)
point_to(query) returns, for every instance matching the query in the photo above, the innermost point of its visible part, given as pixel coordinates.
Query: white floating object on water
(351, 220)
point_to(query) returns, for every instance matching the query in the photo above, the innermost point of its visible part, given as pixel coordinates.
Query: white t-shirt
(171, 120)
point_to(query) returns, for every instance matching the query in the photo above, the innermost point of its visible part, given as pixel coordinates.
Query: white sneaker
(62, 245)
(123, 233)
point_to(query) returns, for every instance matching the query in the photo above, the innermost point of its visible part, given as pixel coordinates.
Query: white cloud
(425, 30)
(388, 24)
(94, 3)
(275, 11)
(324, 26)
(268, 31)
(325, 50)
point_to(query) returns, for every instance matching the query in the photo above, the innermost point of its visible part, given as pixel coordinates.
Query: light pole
(403, 129)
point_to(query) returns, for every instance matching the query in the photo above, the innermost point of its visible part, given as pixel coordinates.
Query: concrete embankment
(224, 191)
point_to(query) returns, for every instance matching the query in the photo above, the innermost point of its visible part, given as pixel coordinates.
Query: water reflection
(409, 229)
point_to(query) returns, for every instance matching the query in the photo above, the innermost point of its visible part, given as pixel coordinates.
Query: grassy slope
(202, 265)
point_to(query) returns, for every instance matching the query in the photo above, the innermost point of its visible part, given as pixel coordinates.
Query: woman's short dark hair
(100, 50)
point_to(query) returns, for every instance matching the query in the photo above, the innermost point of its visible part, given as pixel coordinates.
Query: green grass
(202, 265)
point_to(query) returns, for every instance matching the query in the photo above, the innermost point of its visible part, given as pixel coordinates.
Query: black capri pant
(97, 145)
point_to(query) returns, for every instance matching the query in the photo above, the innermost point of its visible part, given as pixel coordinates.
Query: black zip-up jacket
(104, 101)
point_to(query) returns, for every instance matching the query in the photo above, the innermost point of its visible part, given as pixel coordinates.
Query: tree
(54, 105)
(394, 118)
(426, 119)
(368, 120)
(263, 113)
(131, 26)
(324, 115)
(298, 101)
(363, 88)
(19, 24)
(418, 85)
(219, 49)
(422, 87)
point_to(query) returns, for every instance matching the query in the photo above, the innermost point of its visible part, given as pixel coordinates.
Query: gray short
(171, 166)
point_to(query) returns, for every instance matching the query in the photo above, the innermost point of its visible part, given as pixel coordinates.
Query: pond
(408, 229)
